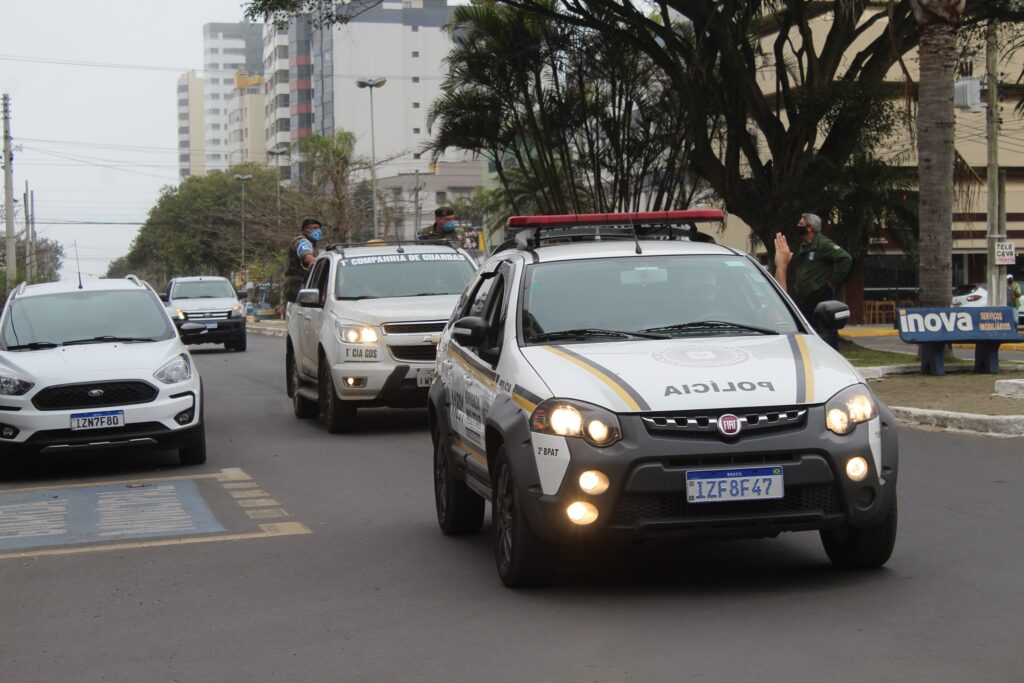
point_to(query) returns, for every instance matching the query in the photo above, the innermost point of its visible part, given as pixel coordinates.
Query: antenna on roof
(78, 263)
(398, 238)
(636, 238)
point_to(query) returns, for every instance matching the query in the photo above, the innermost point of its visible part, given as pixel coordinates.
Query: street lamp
(372, 83)
(243, 178)
(276, 153)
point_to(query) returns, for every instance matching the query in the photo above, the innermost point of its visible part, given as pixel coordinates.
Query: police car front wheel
(866, 547)
(459, 509)
(521, 557)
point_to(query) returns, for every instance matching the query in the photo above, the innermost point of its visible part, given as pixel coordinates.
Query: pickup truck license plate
(211, 326)
(424, 378)
(104, 420)
(739, 483)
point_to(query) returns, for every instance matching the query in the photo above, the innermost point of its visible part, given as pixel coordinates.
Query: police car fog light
(593, 482)
(857, 468)
(8, 432)
(185, 416)
(354, 382)
(581, 513)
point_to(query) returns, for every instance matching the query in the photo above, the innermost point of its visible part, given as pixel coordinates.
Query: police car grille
(420, 353)
(414, 328)
(633, 508)
(207, 315)
(77, 395)
(705, 423)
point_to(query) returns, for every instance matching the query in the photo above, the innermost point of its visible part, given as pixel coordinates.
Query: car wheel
(302, 407)
(194, 453)
(521, 557)
(337, 415)
(459, 509)
(238, 344)
(866, 547)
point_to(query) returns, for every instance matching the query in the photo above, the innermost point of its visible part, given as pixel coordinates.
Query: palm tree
(938, 21)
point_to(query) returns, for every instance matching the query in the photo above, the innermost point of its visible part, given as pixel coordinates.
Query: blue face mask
(316, 234)
(448, 226)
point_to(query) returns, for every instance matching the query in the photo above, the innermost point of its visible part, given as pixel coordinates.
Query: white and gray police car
(617, 376)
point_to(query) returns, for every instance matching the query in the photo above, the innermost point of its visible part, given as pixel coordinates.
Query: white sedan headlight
(850, 407)
(174, 371)
(13, 386)
(357, 333)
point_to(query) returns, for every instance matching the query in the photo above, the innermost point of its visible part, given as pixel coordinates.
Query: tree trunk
(935, 131)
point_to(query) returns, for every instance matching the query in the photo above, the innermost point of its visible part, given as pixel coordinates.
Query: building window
(415, 131)
(415, 79)
(416, 155)
(415, 105)
(440, 197)
(415, 29)
(415, 53)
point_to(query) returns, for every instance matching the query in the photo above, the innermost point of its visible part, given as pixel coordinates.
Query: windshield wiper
(699, 324)
(430, 294)
(103, 339)
(34, 346)
(356, 298)
(593, 332)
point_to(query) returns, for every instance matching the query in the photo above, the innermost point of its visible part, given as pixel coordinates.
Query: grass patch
(964, 392)
(863, 357)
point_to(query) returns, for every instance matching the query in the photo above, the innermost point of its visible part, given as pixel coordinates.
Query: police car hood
(220, 304)
(91, 362)
(399, 309)
(695, 374)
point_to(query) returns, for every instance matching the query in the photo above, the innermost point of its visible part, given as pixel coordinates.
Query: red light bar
(640, 217)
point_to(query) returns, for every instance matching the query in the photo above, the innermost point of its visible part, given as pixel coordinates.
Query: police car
(364, 330)
(622, 377)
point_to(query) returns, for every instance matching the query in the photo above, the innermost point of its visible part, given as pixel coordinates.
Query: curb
(882, 371)
(1003, 426)
(1010, 388)
(267, 331)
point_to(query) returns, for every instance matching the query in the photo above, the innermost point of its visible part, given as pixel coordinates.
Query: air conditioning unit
(967, 94)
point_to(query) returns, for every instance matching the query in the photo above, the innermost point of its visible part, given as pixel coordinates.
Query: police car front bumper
(647, 496)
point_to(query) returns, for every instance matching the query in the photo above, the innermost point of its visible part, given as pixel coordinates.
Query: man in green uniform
(821, 266)
(301, 255)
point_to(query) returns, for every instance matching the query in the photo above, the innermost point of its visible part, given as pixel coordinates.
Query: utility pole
(11, 255)
(996, 274)
(416, 204)
(28, 231)
(32, 239)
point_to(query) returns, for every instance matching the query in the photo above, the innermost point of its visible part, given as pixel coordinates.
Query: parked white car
(96, 366)
(364, 330)
(970, 295)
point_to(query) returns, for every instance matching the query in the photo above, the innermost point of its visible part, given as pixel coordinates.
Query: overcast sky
(98, 134)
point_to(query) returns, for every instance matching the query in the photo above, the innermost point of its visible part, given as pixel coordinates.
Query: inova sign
(922, 325)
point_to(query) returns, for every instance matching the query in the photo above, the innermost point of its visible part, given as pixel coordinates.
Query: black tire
(521, 557)
(303, 408)
(238, 344)
(866, 547)
(459, 509)
(337, 415)
(290, 375)
(194, 453)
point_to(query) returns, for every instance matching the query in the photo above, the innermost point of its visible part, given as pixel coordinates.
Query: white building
(227, 49)
(276, 97)
(246, 122)
(191, 152)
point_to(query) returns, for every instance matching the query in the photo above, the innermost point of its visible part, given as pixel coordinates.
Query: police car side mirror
(470, 331)
(308, 297)
(832, 315)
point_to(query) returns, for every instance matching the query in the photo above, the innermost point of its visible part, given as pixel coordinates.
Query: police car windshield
(674, 295)
(397, 275)
(53, 319)
(212, 289)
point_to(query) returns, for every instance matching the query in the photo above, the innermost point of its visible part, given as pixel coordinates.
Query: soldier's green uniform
(818, 263)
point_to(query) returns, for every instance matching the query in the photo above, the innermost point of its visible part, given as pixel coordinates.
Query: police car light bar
(632, 218)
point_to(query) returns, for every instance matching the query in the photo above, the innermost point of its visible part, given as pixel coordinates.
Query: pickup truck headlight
(236, 312)
(850, 407)
(13, 386)
(596, 426)
(356, 333)
(180, 313)
(176, 370)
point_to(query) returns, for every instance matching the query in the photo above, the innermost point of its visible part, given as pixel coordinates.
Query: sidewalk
(874, 336)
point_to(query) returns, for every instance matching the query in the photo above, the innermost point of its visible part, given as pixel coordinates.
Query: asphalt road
(376, 593)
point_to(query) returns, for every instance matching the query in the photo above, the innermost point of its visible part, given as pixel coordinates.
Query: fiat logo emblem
(95, 393)
(729, 425)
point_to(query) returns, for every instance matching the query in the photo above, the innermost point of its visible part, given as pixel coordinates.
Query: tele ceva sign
(922, 325)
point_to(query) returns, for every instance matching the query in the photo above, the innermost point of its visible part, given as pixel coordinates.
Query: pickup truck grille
(424, 327)
(207, 315)
(421, 353)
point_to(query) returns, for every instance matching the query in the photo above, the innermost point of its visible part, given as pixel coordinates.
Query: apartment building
(247, 121)
(191, 152)
(277, 113)
(227, 50)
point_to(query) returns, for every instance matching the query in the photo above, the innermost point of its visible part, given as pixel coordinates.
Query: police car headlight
(595, 425)
(13, 386)
(176, 370)
(357, 334)
(849, 408)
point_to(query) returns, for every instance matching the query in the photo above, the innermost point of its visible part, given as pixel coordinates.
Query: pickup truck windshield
(397, 275)
(213, 289)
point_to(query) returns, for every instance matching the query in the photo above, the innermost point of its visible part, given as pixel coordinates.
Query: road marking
(122, 482)
(269, 513)
(258, 502)
(258, 493)
(268, 531)
(241, 485)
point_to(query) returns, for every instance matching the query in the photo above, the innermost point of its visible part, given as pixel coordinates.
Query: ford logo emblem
(95, 393)
(729, 425)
